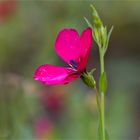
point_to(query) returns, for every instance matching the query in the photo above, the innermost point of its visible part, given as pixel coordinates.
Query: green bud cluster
(100, 34)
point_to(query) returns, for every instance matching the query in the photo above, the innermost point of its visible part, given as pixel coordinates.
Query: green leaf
(92, 71)
(94, 31)
(108, 37)
(110, 31)
(103, 82)
(88, 23)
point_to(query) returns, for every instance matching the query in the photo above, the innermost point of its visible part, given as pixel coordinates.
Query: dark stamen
(74, 64)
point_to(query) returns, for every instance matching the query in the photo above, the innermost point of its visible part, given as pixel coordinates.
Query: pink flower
(43, 127)
(74, 50)
(54, 102)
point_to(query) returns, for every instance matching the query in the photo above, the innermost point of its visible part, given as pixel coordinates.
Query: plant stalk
(102, 95)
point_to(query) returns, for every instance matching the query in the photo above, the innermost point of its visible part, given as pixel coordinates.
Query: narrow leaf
(94, 31)
(91, 72)
(88, 23)
(109, 33)
(103, 83)
(108, 37)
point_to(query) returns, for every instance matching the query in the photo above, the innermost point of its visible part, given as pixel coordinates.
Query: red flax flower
(74, 50)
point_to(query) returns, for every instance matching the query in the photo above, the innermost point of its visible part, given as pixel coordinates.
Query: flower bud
(88, 79)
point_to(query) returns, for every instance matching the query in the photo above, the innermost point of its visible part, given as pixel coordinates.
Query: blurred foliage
(30, 110)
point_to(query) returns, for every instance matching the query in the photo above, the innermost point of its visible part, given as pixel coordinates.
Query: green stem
(102, 95)
(103, 115)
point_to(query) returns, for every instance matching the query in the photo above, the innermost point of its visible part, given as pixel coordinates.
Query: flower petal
(73, 48)
(67, 45)
(50, 74)
(85, 43)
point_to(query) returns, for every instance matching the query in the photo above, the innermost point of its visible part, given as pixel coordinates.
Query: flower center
(73, 64)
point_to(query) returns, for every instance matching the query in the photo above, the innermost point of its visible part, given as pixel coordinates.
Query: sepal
(88, 79)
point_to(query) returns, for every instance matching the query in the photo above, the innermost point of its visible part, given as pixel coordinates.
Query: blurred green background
(30, 110)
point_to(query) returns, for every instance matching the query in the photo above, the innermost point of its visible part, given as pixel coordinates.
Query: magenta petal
(67, 45)
(86, 44)
(50, 74)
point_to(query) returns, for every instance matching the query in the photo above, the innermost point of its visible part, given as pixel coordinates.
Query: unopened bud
(88, 79)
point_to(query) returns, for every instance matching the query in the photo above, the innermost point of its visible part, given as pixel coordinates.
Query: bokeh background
(30, 110)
